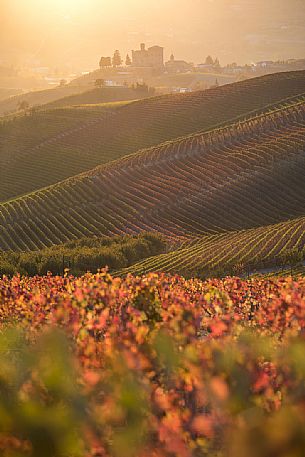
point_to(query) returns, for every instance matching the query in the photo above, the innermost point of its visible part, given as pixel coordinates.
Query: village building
(265, 63)
(177, 66)
(208, 68)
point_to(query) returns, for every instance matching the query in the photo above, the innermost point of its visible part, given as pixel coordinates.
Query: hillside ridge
(255, 247)
(138, 125)
(207, 136)
(194, 187)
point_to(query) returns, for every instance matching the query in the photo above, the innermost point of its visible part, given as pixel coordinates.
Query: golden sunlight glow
(49, 11)
(79, 31)
(68, 6)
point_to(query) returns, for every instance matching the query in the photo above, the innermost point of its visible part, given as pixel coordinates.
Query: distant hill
(37, 98)
(96, 96)
(6, 93)
(162, 80)
(67, 95)
(50, 146)
(247, 176)
(190, 80)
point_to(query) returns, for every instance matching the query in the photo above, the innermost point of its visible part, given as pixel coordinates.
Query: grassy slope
(103, 95)
(39, 97)
(247, 175)
(34, 163)
(190, 79)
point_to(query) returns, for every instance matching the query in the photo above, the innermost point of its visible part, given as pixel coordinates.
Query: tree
(143, 88)
(33, 109)
(209, 61)
(239, 269)
(23, 105)
(116, 60)
(105, 62)
(292, 258)
(128, 61)
(215, 85)
(99, 83)
(217, 63)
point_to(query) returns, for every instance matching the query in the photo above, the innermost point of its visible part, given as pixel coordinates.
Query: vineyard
(33, 148)
(252, 248)
(20, 133)
(151, 356)
(240, 186)
(151, 366)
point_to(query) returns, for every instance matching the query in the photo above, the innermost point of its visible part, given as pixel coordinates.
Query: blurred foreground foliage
(151, 366)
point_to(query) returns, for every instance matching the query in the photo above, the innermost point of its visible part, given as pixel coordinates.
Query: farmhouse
(265, 63)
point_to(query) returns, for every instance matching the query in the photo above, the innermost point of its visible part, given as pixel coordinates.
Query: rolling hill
(252, 248)
(97, 96)
(34, 148)
(6, 93)
(42, 129)
(234, 191)
(38, 97)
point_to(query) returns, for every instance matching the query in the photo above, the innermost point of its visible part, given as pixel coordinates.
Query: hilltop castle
(151, 57)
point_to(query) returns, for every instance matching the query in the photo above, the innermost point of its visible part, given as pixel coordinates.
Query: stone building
(152, 57)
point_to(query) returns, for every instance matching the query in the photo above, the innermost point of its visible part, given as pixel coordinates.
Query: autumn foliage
(151, 366)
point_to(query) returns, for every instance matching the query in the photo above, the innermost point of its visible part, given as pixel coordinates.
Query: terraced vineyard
(32, 156)
(230, 195)
(224, 252)
(42, 129)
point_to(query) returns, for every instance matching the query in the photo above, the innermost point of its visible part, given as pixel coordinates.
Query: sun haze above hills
(79, 31)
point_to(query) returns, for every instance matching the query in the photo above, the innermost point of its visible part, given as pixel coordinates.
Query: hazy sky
(55, 32)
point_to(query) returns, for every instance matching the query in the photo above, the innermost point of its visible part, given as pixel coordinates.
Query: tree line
(115, 61)
(86, 254)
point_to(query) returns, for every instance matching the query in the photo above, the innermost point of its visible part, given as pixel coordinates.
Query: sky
(77, 32)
